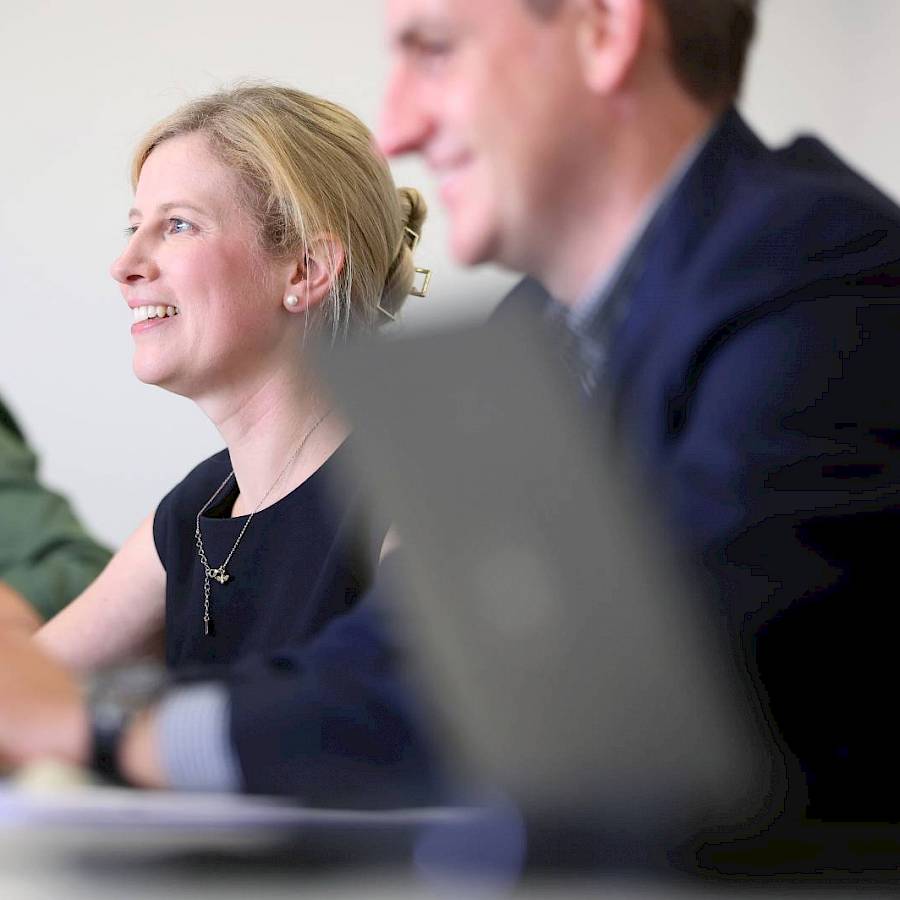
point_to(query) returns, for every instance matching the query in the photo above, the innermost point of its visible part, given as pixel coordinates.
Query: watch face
(127, 688)
(114, 697)
(108, 715)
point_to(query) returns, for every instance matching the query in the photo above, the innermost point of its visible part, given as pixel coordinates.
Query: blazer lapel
(681, 235)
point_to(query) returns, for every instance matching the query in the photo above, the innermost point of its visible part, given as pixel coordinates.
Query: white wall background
(81, 81)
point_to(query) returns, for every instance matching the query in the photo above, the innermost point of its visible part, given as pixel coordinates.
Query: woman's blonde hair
(308, 167)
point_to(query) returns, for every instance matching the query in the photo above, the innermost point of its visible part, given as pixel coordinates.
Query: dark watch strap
(108, 724)
(115, 698)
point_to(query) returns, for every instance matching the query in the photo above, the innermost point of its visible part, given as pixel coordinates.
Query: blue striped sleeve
(195, 745)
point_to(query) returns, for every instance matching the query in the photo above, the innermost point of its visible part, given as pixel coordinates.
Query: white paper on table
(103, 807)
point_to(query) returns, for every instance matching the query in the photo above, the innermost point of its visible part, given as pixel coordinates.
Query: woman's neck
(264, 427)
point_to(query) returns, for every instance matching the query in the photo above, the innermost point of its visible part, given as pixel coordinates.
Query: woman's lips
(151, 316)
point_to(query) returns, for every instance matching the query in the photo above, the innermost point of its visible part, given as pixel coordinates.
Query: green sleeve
(45, 553)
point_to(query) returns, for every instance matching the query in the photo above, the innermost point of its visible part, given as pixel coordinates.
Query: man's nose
(405, 123)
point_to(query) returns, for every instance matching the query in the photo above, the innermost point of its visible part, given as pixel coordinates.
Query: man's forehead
(412, 16)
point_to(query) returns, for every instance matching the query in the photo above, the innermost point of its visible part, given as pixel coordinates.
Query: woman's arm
(116, 616)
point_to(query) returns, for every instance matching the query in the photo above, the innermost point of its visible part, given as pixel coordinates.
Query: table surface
(40, 864)
(100, 845)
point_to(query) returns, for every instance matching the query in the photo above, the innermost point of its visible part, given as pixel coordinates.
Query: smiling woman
(262, 218)
(193, 250)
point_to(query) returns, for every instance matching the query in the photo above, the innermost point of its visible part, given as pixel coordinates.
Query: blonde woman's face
(193, 256)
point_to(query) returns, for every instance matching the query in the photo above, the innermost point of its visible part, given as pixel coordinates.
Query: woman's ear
(313, 274)
(609, 36)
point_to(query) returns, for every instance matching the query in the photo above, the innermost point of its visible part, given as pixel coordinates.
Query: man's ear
(314, 273)
(609, 35)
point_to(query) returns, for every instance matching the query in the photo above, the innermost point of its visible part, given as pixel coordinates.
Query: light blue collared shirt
(597, 314)
(194, 742)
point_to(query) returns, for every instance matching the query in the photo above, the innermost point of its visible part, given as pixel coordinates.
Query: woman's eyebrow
(167, 207)
(182, 204)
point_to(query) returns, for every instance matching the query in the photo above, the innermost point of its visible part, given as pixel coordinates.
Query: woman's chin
(151, 372)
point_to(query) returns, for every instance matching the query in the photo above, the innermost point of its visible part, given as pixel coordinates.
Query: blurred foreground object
(570, 663)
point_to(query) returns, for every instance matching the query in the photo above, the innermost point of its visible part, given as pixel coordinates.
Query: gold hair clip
(421, 291)
(415, 238)
(426, 281)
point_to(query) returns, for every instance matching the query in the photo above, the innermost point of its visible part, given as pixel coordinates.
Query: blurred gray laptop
(564, 659)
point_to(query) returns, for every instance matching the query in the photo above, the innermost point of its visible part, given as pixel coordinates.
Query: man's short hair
(709, 38)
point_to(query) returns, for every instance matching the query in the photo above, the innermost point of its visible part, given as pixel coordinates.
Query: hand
(42, 710)
(15, 611)
(139, 757)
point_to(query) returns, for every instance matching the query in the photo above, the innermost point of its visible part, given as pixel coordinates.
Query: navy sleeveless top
(301, 562)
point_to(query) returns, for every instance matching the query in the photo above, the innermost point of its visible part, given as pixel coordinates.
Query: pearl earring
(291, 301)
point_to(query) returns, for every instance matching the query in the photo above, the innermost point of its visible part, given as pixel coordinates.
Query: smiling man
(526, 114)
(740, 305)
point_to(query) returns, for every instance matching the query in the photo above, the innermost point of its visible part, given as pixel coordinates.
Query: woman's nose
(135, 263)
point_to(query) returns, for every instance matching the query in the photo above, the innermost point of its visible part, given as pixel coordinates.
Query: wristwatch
(114, 699)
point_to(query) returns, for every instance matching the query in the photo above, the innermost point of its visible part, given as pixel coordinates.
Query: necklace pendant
(219, 574)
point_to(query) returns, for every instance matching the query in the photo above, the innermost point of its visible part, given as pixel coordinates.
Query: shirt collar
(610, 279)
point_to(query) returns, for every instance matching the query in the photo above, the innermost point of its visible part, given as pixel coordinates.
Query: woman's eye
(129, 231)
(178, 226)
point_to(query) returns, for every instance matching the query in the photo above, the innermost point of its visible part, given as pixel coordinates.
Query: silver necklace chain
(219, 573)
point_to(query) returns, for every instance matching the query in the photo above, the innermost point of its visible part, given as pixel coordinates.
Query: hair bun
(402, 273)
(413, 208)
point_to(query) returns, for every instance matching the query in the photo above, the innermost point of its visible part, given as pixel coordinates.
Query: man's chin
(469, 248)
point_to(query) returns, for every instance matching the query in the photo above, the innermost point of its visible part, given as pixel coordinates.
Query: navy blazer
(755, 375)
